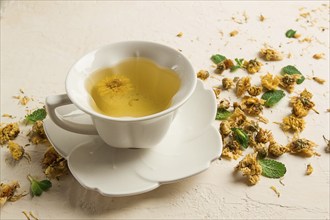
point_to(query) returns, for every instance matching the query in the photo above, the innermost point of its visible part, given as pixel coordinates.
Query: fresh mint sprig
(38, 187)
(37, 115)
(239, 64)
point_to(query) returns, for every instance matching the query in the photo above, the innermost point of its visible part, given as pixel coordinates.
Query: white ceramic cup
(122, 132)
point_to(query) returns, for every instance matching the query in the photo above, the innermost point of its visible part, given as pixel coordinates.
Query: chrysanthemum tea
(136, 87)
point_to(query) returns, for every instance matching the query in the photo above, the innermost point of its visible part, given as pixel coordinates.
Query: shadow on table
(93, 203)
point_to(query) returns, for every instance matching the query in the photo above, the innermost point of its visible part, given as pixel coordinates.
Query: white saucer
(188, 148)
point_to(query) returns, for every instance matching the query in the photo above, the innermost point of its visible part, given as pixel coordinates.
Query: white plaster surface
(40, 40)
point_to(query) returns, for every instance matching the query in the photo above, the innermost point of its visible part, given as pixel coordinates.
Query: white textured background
(40, 40)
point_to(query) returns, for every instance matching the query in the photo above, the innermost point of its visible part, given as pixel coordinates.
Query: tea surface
(136, 87)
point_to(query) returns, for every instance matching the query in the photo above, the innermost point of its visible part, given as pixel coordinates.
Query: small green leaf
(239, 64)
(291, 70)
(272, 97)
(38, 187)
(39, 114)
(45, 184)
(272, 168)
(217, 58)
(222, 114)
(241, 137)
(290, 33)
(35, 189)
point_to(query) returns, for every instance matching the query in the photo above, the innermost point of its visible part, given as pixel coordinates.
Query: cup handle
(55, 101)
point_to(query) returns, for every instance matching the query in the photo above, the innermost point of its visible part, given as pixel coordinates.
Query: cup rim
(129, 119)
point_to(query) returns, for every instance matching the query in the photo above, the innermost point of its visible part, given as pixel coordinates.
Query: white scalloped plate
(188, 148)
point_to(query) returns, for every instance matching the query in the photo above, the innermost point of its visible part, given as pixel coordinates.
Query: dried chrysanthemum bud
(251, 126)
(302, 146)
(254, 90)
(203, 74)
(224, 65)
(220, 67)
(299, 110)
(237, 118)
(261, 149)
(37, 134)
(293, 123)
(225, 128)
(252, 105)
(288, 82)
(232, 150)
(242, 86)
(9, 132)
(302, 104)
(54, 165)
(16, 150)
(224, 103)
(227, 83)
(252, 142)
(269, 82)
(306, 94)
(270, 54)
(7, 192)
(250, 168)
(264, 136)
(276, 149)
(253, 66)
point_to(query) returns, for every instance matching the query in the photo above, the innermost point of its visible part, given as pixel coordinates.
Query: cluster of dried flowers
(53, 164)
(239, 124)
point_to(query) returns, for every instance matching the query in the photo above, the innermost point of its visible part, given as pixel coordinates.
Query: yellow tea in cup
(136, 87)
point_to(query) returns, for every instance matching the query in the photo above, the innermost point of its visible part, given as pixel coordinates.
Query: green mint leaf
(39, 114)
(241, 137)
(272, 97)
(38, 187)
(272, 168)
(291, 70)
(290, 33)
(239, 64)
(217, 58)
(35, 189)
(222, 114)
(45, 184)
